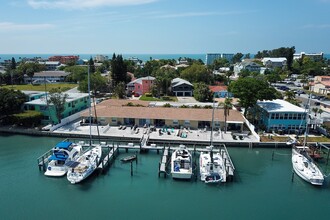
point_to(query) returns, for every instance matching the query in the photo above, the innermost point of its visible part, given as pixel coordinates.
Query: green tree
(249, 90)
(91, 65)
(97, 83)
(13, 64)
(237, 58)
(78, 73)
(120, 90)
(197, 73)
(227, 105)
(220, 62)
(58, 99)
(118, 70)
(202, 93)
(11, 101)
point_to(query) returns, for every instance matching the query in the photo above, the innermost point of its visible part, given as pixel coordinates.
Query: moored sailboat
(85, 165)
(303, 165)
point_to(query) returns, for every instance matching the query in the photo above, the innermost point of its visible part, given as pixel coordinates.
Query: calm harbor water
(262, 189)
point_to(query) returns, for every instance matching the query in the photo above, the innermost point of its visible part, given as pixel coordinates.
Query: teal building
(280, 116)
(75, 102)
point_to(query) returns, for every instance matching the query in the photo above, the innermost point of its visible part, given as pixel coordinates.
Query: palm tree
(315, 110)
(227, 105)
(320, 111)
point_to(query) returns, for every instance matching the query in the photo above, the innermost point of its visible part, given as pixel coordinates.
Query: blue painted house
(279, 115)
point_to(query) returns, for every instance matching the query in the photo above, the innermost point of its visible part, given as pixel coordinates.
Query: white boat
(305, 167)
(61, 153)
(181, 163)
(302, 163)
(211, 167)
(85, 165)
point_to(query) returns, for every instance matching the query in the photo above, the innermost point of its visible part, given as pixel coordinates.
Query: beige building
(130, 112)
(321, 85)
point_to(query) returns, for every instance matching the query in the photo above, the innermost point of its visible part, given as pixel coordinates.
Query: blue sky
(163, 26)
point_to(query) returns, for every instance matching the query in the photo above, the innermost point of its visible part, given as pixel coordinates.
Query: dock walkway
(164, 162)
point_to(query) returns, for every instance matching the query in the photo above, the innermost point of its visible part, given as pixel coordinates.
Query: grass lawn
(41, 87)
(145, 98)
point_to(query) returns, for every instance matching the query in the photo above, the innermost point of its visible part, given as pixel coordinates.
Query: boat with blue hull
(61, 153)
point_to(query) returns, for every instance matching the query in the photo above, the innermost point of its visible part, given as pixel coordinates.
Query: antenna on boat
(89, 107)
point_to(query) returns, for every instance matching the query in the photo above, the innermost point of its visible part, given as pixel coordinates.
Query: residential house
(279, 115)
(75, 102)
(48, 76)
(246, 65)
(273, 62)
(181, 87)
(140, 86)
(321, 84)
(50, 65)
(220, 91)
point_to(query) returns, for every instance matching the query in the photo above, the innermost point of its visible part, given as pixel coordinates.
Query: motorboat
(62, 152)
(304, 166)
(181, 163)
(211, 167)
(85, 165)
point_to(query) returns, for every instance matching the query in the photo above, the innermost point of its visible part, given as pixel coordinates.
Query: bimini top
(63, 145)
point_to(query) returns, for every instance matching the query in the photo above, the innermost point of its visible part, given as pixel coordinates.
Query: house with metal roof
(46, 76)
(272, 62)
(246, 65)
(279, 115)
(181, 87)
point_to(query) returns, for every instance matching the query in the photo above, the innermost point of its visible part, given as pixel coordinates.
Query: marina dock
(112, 150)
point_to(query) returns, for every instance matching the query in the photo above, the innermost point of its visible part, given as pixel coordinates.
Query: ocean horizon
(143, 56)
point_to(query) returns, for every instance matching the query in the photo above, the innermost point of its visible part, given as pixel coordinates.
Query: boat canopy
(54, 157)
(64, 145)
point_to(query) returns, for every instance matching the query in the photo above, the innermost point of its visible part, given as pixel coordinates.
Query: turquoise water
(262, 189)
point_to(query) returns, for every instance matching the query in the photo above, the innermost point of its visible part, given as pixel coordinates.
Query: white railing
(251, 127)
(64, 121)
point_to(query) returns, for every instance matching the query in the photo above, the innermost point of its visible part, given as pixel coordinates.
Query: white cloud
(9, 26)
(83, 4)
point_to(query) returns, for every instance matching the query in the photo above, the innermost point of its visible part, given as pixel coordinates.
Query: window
(113, 120)
(272, 116)
(187, 122)
(294, 116)
(175, 122)
(285, 115)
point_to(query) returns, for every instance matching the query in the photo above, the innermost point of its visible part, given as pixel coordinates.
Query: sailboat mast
(89, 107)
(212, 124)
(306, 118)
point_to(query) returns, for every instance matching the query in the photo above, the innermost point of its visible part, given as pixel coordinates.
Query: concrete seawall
(35, 132)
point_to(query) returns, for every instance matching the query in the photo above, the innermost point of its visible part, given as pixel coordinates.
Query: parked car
(284, 88)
